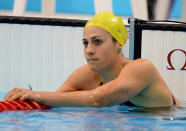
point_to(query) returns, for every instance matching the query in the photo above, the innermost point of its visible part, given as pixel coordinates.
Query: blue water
(115, 118)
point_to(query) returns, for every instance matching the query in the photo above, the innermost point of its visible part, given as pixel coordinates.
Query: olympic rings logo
(171, 67)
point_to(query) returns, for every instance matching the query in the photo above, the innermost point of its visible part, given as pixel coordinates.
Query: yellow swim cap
(111, 23)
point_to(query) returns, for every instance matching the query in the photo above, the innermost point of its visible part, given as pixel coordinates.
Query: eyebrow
(94, 37)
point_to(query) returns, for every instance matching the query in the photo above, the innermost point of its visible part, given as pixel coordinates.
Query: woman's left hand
(20, 94)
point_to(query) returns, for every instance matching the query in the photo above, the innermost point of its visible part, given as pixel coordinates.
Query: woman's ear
(119, 47)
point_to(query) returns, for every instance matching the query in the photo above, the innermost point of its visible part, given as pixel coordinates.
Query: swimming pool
(93, 119)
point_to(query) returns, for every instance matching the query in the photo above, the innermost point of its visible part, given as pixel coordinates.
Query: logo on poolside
(171, 67)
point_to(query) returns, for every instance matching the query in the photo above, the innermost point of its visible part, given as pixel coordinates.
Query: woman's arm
(55, 99)
(79, 80)
(131, 81)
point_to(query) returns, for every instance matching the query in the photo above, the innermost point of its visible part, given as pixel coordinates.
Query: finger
(10, 93)
(17, 94)
(25, 96)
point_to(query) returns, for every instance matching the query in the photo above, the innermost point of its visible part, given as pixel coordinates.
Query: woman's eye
(97, 42)
(85, 43)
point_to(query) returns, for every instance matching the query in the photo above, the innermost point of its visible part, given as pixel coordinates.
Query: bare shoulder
(141, 62)
(83, 74)
(142, 66)
(79, 79)
(137, 73)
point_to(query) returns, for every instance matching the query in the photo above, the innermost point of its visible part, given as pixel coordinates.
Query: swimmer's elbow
(96, 101)
(98, 104)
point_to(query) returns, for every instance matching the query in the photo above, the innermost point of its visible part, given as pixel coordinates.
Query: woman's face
(99, 48)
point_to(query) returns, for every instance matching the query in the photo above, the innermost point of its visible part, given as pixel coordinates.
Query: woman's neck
(111, 72)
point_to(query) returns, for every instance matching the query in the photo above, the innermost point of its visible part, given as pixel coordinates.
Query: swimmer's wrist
(41, 97)
(36, 96)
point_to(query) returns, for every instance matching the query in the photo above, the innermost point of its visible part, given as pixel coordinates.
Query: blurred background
(84, 9)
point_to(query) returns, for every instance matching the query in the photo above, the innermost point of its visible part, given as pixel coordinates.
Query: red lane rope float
(17, 105)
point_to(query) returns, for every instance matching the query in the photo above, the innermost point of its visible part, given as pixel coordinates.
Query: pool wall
(41, 52)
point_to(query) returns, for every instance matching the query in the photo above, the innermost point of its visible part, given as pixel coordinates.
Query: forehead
(92, 31)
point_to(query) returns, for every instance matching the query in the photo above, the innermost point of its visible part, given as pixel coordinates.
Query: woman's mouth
(92, 60)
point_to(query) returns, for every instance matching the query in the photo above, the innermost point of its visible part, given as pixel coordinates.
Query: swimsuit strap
(174, 101)
(101, 83)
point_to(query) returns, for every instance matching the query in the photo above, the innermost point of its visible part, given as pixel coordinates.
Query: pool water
(115, 118)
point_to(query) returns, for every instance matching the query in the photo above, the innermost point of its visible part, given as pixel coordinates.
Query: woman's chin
(94, 68)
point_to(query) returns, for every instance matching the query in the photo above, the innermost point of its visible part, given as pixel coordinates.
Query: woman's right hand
(20, 94)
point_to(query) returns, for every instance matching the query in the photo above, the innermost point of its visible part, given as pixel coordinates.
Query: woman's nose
(90, 49)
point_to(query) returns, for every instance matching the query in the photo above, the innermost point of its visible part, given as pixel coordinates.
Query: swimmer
(108, 78)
